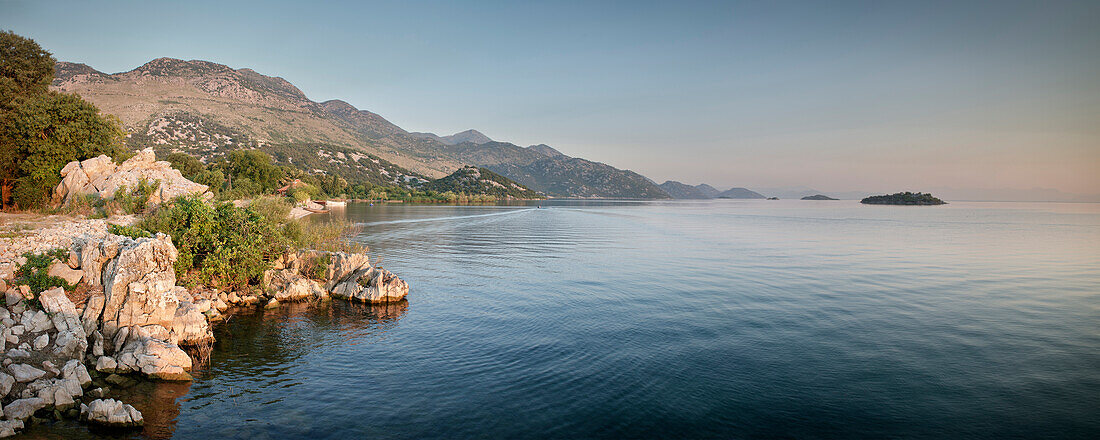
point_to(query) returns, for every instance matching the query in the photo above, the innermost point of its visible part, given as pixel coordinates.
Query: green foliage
(42, 130)
(186, 163)
(215, 179)
(274, 209)
(35, 272)
(903, 198)
(128, 231)
(133, 201)
(317, 268)
(25, 68)
(253, 172)
(222, 246)
(478, 184)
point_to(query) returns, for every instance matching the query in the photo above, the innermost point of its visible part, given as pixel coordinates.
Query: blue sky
(834, 95)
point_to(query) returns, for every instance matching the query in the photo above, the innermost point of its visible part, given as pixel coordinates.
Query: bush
(318, 267)
(274, 209)
(222, 246)
(35, 272)
(128, 231)
(133, 201)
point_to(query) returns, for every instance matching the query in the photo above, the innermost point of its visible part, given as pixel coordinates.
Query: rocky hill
(574, 177)
(207, 109)
(707, 190)
(740, 193)
(682, 191)
(473, 180)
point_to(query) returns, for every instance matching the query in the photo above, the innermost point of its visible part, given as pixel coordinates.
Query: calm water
(718, 319)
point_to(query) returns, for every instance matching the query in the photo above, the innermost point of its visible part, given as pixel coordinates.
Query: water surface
(711, 319)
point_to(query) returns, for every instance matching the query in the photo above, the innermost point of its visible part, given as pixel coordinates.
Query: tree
(257, 167)
(186, 163)
(40, 130)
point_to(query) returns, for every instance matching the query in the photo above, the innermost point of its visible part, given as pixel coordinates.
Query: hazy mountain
(206, 109)
(563, 176)
(545, 150)
(681, 191)
(740, 193)
(472, 136)
(708, 191)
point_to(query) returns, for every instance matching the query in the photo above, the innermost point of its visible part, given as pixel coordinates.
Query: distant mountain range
(683, 191)
(207, 109)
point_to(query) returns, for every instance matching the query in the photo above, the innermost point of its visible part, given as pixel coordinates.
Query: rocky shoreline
(127, 318)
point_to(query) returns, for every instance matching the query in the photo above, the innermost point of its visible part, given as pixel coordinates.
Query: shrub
(133, 201)
(274, 209)
(222, 246)
(128, 231)
(318, 267)
(35, 272)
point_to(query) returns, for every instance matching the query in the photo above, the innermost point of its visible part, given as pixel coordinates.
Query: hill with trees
(474, 180)
(903, 198)
(197, 106)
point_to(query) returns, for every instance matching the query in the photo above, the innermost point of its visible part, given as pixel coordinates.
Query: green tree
(186, 163)
(255, 166)
(40, 130)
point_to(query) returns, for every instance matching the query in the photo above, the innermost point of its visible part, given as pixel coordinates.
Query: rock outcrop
(314, 274)
(132, 318)
(110, 412)
(100, 176)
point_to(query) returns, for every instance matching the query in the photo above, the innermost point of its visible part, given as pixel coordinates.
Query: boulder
(62, 270)
(100, 176)
(25, 373)
(22, 409)
(372, 286)
(9, 428)
(110, 412)
(71, 339)
(152, 357)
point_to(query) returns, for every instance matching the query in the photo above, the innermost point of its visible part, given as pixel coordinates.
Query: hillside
(207, 109)
(707, 190)
(681, 191)
(473, 180)
(739, 193)
(561, 176)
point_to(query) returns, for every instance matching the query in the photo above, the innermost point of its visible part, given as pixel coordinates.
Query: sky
(842, 96)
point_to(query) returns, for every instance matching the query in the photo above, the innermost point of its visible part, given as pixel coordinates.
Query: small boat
(315, 210)
(331, 203)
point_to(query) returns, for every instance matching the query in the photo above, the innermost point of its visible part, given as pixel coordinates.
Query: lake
(682, 319)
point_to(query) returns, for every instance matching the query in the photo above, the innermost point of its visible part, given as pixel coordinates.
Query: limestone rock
(22, 409)
(6, 381)
(155, 358)
(100, 176)
(25, 373)
(62, 270)
(9, 428)
(372, 286)
(71, 340)
(110, 412)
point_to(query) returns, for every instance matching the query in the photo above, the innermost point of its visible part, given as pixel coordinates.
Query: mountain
(207, 109)
(474, 180)
(545, 150)
(563, 176)
(740, 193)
(681, 191)
(708, 191)
(472, 136)
(818, 197)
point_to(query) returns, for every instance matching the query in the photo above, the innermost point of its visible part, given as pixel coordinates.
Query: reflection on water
(683, 319)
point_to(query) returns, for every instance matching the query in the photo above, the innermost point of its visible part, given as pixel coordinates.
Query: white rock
(70, 275)
(41, 341)
(25, 373)
(110, 412)
(22, 409)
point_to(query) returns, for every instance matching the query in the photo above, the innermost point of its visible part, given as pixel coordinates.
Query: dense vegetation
(225, 246)
(903, 198)
(42, 130)
(473, 180)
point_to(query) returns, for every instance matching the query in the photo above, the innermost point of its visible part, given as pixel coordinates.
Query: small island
(773, 198)
(818, 197)
(903, 198)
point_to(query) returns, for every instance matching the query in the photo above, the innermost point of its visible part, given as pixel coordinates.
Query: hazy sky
(834, 95)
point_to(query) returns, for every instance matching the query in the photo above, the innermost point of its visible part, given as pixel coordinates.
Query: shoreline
(127, 320)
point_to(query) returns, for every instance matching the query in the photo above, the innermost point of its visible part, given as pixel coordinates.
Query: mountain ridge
(197, 107)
